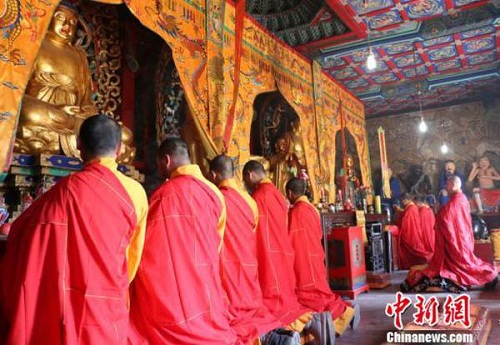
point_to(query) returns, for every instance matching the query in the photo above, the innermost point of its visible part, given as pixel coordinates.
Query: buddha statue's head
(299, 152)
(281, 145)
(296, 126)
(62, 28)
(349, 161)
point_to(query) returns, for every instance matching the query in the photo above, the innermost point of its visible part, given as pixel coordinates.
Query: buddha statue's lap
(58, 95)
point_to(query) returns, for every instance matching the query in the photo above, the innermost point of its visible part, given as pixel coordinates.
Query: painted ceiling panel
(424, 8)
(447, 49)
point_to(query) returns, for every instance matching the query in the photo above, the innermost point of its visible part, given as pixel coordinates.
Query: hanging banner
(238, 45)
(386, 187)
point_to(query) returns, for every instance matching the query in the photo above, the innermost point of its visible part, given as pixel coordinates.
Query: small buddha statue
(296, 154)
(349, 180)
(279, 165)
(58, 95)
(289, 158)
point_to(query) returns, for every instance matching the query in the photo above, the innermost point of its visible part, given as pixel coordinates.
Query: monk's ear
(167, 160)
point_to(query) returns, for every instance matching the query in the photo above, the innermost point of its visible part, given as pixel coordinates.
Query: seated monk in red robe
(72, 254)
(427, 223)
(454, 265)
(239, 271)
(275, 254)
(305, 234)
(177, 296)
(413, 247)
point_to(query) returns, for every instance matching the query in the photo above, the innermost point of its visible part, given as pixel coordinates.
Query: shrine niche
(161, 108)
(276, 135)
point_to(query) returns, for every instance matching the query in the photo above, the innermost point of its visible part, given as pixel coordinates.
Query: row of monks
(91, 262)
(439, 251)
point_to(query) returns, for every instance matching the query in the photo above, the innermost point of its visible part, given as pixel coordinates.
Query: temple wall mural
(470, 131)
(221, 75)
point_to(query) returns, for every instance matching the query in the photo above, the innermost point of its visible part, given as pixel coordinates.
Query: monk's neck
(265, 180)
(301, 198)
(409, 204)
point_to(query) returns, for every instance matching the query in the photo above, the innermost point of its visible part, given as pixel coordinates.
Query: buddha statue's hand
(89, 110)
(72, 110)
(60, 122)
(127, 150)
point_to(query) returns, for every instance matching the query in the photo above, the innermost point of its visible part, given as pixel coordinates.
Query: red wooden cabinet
(346, 260)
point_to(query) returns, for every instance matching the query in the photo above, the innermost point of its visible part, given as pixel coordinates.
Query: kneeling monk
(177, 297)
(71, 255)
(413, 244)
(305, 233)
(454, 264)
(274, 251)
(239, 271)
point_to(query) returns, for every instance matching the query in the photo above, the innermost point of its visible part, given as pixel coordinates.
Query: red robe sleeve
(312, 287)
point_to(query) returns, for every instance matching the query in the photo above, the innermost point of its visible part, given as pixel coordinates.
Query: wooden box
(346, 261)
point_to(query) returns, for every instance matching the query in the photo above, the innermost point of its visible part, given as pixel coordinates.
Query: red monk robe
(275, 254)
(454, 257)
(427, 222)
(177, 296)
(70, 257)
(412, 248)
(305, 234)
(239, 269)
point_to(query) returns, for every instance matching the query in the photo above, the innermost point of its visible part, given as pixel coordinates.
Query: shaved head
(100, 136)
(221, 168)
(222, 165)
(172, 153)
(297, 186)
(253, 173)
(453, 184)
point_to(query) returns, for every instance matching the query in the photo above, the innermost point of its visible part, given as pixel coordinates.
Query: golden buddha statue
(289, 158)
(349, 181)
(279, 166)
(58, 95)
(296, 154)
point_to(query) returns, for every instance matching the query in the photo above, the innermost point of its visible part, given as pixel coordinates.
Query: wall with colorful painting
(469, 130)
